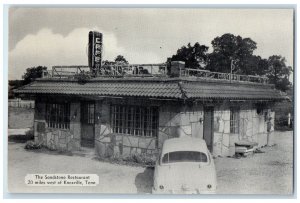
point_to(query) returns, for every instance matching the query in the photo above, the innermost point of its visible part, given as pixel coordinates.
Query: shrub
(143, 159)
(281, 124)
(132, 160)
(30, 145)
(82, 77)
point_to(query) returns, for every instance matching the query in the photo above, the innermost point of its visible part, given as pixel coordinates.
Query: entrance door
(87, 124)
(208, 124)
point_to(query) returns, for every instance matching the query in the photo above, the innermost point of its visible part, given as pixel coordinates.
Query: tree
(240, 50)
(118, 60)
(278, 72)
(13, 84)
(121, 60)
(193, 56)
(32, 73)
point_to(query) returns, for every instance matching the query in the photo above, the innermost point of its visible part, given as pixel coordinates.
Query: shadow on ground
(20, 138)
(144, 181)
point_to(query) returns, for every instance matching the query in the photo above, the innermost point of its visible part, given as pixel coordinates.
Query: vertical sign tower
(95, 52)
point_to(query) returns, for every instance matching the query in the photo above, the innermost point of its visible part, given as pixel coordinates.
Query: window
(234, 121)
(58, 115)
(184, 156)
(135, 120)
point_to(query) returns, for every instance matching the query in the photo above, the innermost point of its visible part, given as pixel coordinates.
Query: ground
(270, 172)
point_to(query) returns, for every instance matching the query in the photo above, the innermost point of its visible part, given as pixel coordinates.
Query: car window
(184, 156)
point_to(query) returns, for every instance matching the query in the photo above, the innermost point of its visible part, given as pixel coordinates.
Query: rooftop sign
(95, 51)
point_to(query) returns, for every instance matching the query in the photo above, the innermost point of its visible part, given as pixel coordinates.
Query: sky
(59, 36)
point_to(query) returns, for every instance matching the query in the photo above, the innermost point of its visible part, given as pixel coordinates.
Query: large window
(234, 121)
(135, 120)
(58, 115)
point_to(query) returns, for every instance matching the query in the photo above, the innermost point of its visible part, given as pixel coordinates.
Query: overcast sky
(59, 36)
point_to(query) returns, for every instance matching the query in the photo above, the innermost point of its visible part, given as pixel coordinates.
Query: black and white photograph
(151, 101)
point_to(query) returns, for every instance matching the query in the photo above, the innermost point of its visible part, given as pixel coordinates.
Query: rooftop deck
(151, 81)
(149, 71)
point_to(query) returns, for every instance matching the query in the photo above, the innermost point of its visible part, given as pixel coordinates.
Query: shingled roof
(168, 88)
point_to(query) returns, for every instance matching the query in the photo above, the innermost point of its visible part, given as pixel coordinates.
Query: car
(185, 166)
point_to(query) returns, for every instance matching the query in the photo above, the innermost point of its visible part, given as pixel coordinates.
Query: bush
(143, 159)
(132, 160)
(83, 77)
(281, 124)
(30, 145)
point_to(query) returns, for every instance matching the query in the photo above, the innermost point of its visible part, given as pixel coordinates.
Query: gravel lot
(270, 172)
(264, 173)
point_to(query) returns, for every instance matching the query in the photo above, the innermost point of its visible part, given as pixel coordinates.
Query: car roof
(184, 144)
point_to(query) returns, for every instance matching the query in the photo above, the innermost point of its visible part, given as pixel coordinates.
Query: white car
(185, 166)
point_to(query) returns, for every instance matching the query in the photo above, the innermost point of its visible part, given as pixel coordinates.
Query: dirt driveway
(264, 173)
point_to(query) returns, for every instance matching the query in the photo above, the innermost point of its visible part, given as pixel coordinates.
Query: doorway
(87, 124)
(208, 129)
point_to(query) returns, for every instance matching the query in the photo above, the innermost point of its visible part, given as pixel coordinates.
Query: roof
(164, 88)
(184, 144)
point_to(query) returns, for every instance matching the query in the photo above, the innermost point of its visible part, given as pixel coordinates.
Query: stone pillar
(102, 129)
(270, 129)
(169, 120)
(39, 121)
(75, 126)
(98, 116)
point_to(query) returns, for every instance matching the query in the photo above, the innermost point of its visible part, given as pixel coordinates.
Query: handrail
(188, 72)
(149, 70)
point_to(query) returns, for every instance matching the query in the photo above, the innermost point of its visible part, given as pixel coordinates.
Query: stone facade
(57, 139)
(108, 143)
(175, 120)
(252, 128)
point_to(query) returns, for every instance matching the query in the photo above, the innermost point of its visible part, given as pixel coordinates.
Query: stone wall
(174, 121)
(57, 139)
(109, 144)
(223, 141)
(179, 121)
(252, 128)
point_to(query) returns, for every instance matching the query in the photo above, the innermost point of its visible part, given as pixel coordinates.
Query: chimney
(176, 68)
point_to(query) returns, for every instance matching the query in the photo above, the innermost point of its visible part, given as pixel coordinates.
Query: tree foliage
(32, 73)
(228, 48)
(230, 51)
(278, 72)
(194, 56)
(121, 60)
(118, 60)
(14, 84)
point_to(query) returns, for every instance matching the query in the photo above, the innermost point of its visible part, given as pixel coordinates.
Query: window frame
(88, 110)
(234, 121)
(57, 115)
(140, 121)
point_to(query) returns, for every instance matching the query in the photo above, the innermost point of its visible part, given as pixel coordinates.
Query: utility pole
(231, 67)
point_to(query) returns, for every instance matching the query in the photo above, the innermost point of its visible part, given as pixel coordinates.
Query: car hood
(186, 176)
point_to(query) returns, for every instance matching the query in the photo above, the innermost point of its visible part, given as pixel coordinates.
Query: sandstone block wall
(108, 143)
(174, 121)
(57, 139)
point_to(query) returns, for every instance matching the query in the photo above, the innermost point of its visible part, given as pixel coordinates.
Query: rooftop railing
(148, 70)
(110, 70)
(187, 72)
(133, 70)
